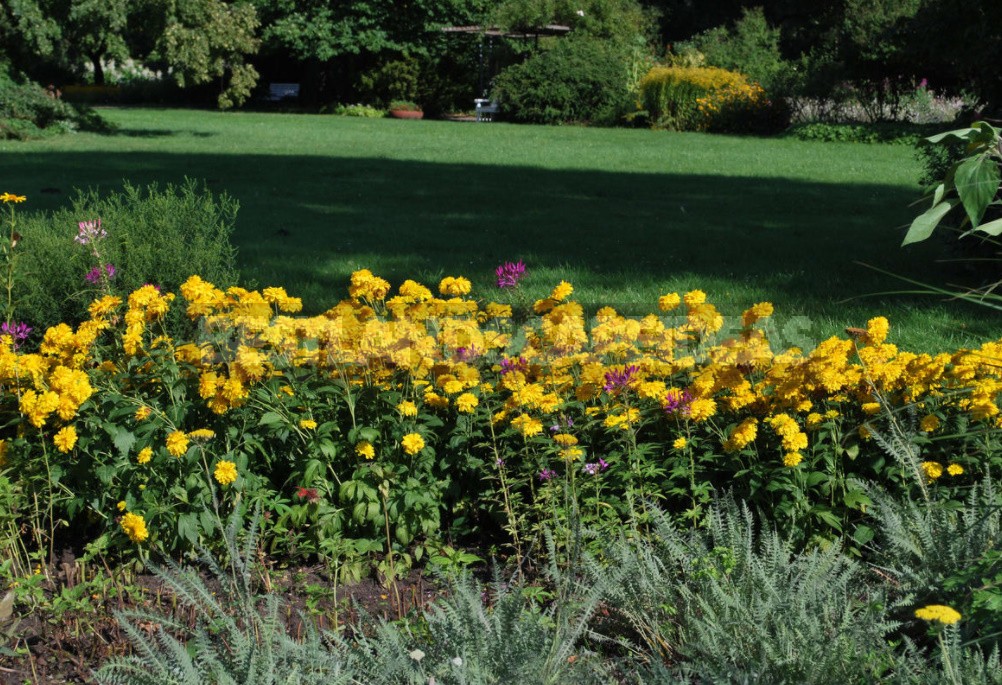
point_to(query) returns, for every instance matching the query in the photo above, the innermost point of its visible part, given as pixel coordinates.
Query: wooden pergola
(493, 32)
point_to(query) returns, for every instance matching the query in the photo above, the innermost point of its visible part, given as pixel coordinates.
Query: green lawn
(625, 215)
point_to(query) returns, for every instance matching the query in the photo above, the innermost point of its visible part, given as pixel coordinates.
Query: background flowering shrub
(697, 98)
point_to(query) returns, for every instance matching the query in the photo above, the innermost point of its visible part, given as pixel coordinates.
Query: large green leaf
(992, 227)
(977, 182)
(924, 224)
(959, 134)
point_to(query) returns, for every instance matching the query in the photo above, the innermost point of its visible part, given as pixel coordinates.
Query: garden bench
(486, 109)
(282, 91)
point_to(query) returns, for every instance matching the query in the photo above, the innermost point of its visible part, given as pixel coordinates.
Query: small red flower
(308, 494)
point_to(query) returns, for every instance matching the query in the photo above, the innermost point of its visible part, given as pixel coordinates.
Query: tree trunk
(98, 70)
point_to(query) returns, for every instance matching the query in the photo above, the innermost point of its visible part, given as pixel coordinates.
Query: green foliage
(738, 603)
(579, 80)
(621, 22)
(363, 111)
(972, 184)
(501, 635)
(154, 236)
(941, 551)
(205, 40)
(894, 133)
(239, 638)
(29, 111)
(393, 80)
(750, 47)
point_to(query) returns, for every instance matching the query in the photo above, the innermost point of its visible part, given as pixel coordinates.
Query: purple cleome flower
(90, 231)
(619, 380)
(556, 428)
(509, 274)
(593, 469)
(466, 354)
(678, 403)
(17, 331)
(546, 474)
(94, 275)
(518, 364)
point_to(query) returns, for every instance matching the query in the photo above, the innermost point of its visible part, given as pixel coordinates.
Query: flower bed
(406, 419)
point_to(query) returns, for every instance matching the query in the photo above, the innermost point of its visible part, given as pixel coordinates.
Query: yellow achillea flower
(668, 302)
(177, 443)
(526, 425)
(365, 449)
(792, 459)
(225, 473)
(144, 455)
(454, 286)
(453, 387)
(134, 526)
(929, 423)
(743, 434)
(407, 408)
(938, 612)
(876, 330)
(571, 453)
(307, 424)
(694, 297)
(702, 409)
(202, 434)
(933, 469)
(565, 439)
(143, 413)
(955, 469)
(562, 291)
(756, 312)
(467, 402)
(412, 443)
(104, 306)
(870, 408)
(65, 439)
(680, 443)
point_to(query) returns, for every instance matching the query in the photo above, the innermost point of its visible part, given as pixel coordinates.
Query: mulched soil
(35, 648)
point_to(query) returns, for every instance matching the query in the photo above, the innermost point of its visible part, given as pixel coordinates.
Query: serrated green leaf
(124, 440)
(270, 418)
(863, 535)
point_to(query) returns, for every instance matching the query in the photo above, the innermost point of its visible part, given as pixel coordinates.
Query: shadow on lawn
(307, 222)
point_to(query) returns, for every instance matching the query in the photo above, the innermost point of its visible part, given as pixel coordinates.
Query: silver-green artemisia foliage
(239, 638)
(734, 604)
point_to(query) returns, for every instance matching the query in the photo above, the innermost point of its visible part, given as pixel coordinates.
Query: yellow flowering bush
(702, 98)
(400, 410)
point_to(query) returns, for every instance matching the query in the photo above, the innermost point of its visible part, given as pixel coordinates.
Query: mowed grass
(624, 215)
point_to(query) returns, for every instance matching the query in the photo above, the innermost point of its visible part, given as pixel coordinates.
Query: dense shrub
(28, 111)
(895, 133)
(392, 80)
(154, 236)
(750, 47)
(708, 99)
(577, 80)
(361, 111)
